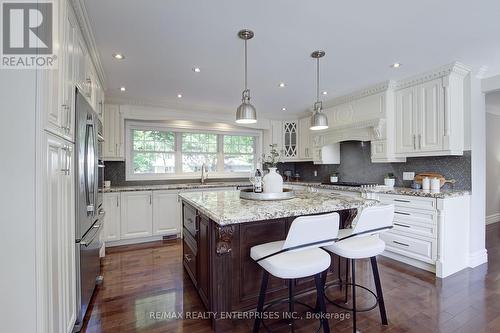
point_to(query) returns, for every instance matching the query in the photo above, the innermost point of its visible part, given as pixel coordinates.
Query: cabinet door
(290, 139)
(59, 236)
(305, 151)
(136, 214)
(112, 132)
(277, 134)
(111, 202)
(430, 116)
(166, 213)
(406, 118)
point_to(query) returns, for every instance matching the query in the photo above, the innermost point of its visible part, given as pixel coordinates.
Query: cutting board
(430, 175)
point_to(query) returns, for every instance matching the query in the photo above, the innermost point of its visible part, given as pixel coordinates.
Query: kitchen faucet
(204, 173)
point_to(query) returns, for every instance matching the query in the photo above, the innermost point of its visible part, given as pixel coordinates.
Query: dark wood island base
(217, 258)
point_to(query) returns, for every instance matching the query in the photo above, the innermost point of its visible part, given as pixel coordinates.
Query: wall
(493, 157)
(115, 172)
(356, 166)
(17, 201)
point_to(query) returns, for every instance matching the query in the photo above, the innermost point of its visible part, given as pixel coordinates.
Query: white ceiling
(164, 40)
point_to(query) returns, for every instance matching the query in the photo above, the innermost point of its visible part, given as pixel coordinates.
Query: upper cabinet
(290, 139)
(305, 143)
(113, 125)
(75, 69)
(430, 115)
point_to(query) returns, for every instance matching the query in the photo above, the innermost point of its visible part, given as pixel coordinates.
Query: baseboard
(478, 258)
(494, 218)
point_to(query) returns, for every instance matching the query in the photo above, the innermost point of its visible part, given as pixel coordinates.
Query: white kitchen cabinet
(136, 214)
(60, 108)
(112, 220)
(113, 148)
(305, 142)
(406, 120)
(290, 139)
(274, 136)
(166, 213)
(430, 117)
(57, 266)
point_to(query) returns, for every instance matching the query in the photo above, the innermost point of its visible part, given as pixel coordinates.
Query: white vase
(273, 182)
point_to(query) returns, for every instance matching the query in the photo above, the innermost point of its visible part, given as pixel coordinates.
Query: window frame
(178, 130)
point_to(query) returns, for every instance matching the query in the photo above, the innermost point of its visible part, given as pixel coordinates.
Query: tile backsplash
(356, 166)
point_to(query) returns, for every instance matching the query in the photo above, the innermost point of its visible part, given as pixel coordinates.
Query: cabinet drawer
(414, 228)
(416, 248)
(189, 260)
(409, 215)
(401, 201)
(189, 219)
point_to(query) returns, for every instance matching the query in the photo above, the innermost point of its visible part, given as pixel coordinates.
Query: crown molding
(453, 68)
(368, 91)
(86, 29)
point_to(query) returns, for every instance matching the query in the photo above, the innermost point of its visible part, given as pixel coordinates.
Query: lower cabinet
(136, 214)
(111, 230)
(196, 249)
(166, 215)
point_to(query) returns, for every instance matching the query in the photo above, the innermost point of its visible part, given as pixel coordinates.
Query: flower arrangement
(271, 159)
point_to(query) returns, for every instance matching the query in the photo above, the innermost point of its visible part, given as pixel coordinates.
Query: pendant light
(319, 121)
(246, 114)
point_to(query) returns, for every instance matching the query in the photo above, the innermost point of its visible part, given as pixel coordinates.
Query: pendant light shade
(319, 120)
(246, 113)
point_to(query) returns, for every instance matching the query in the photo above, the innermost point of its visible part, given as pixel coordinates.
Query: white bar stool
(361, 242)
(296, 257)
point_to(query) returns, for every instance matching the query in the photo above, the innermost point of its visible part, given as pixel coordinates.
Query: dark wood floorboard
(139, 279)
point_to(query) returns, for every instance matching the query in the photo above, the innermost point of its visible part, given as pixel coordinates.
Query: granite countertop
(226, 207)
(443, 194)
(396, 190)
(183, 186)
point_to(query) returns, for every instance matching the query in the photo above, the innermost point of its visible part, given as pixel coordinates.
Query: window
(153, 152)
(199, 149)
(239, 153)
(161, 152)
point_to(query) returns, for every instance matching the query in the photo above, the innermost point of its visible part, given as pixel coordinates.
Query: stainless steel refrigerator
(89, 210)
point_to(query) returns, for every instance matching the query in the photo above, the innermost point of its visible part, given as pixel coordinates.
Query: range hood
(365, 115)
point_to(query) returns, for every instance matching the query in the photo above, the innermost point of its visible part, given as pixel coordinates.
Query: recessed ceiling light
(118, 56)
(123, 89)
(283, 109)
(396, 65)
(179, 95)
(325, 92)
(282, 84)
(196, 69)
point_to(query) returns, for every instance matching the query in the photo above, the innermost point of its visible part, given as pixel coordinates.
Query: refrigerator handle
(90, 166)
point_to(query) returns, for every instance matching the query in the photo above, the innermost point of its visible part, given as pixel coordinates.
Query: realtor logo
(28, 33)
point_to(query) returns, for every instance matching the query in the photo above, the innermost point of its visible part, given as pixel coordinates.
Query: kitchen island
(219, 229)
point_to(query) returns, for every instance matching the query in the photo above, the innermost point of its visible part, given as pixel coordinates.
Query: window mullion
(220, 153)
(178, 152)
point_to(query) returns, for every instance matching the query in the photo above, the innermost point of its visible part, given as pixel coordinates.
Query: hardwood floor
(149, 278)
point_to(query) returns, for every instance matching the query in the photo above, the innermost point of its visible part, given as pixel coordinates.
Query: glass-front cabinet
(290, 139)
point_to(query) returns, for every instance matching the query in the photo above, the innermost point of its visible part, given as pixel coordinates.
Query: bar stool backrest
(374, 220)
(312, 231)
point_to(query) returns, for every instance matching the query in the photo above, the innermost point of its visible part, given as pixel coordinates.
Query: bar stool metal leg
(290, 304)
(320, 289)
(380, 294)
(346, 280)
(260, 304)
(353, 278)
